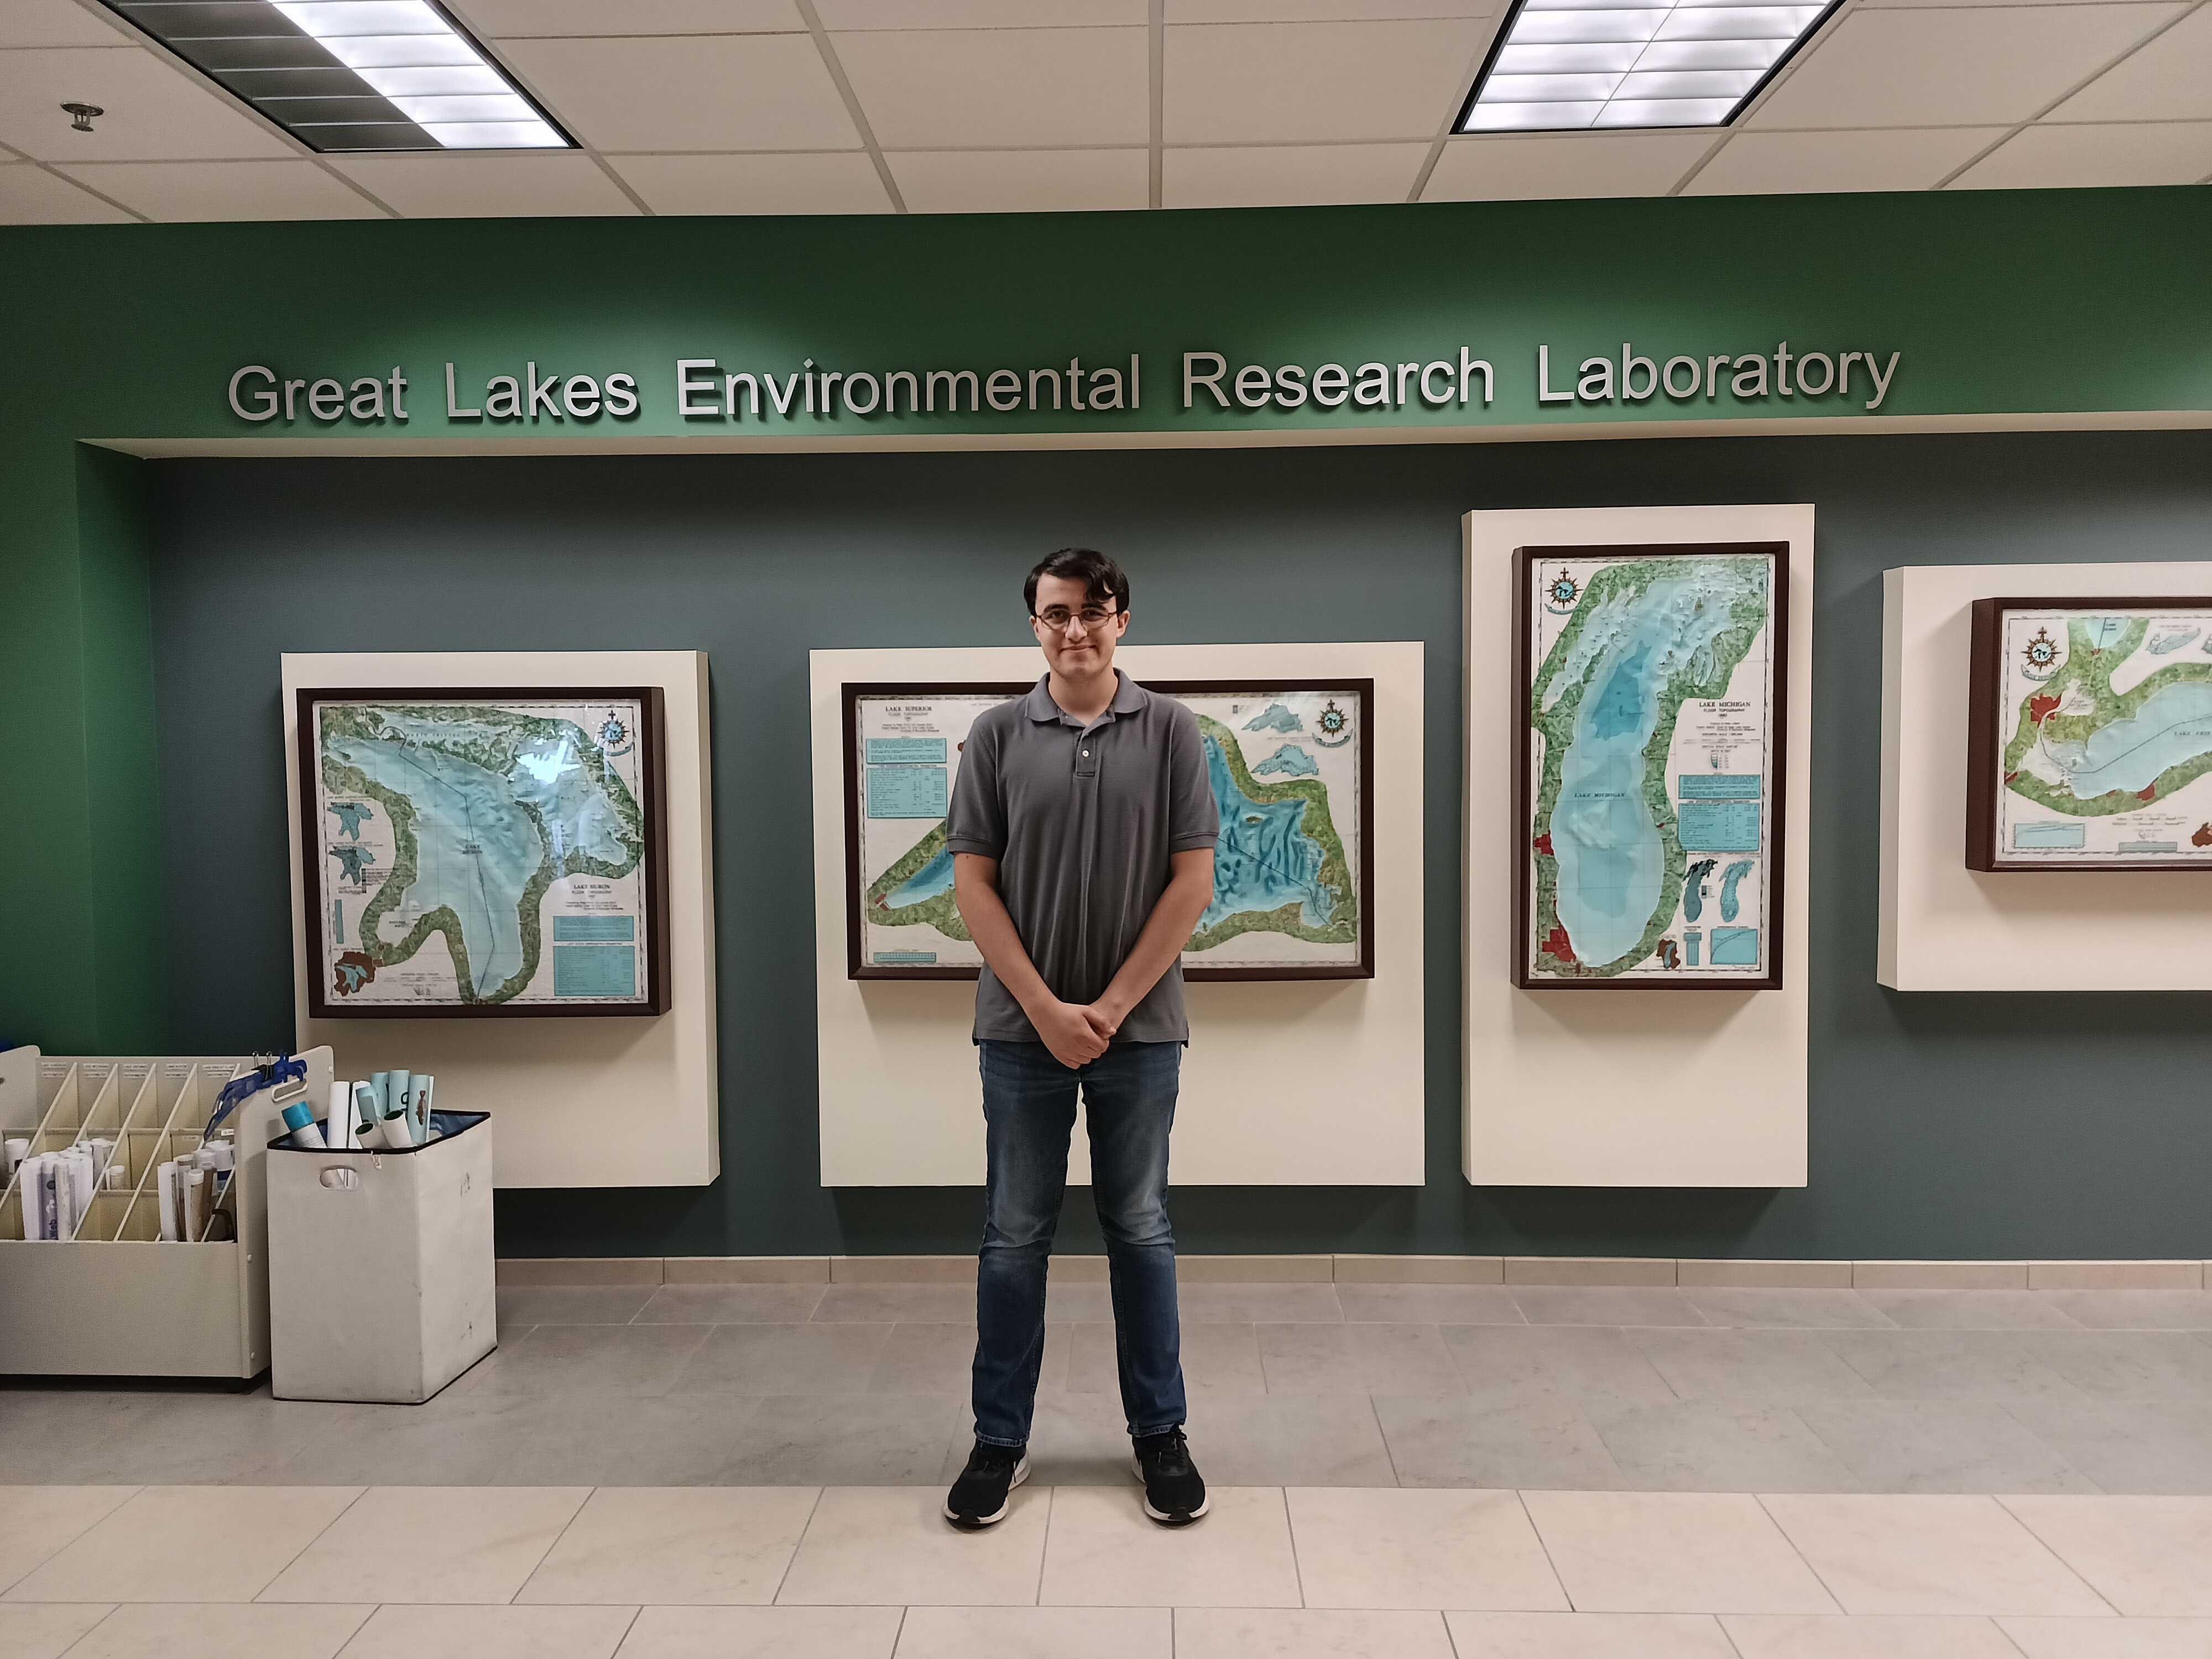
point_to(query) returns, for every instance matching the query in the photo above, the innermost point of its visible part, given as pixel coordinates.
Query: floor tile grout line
(354, 1635)
(1545, 1544)
(1290, 1537)
(2006, 1407)
(1389, 1456)
(1451, 1641)
(1045, 1544)
(360, 1492)
(2011, 1641)
(2021, 1521)
(627, 1629)
(546, 1554)
(113, 1610)
(1774, 1521)
(11, 1583)
(797, 1544)
(1727, 1635)
(1290, 1526)
(899, 1635)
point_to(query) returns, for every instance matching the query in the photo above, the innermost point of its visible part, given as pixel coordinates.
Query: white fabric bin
(382, 1282)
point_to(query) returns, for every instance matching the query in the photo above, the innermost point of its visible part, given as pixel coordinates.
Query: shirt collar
(1128, 698)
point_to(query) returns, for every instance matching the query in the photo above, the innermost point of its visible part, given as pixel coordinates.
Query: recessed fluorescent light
(1571, 65)
(352, 76)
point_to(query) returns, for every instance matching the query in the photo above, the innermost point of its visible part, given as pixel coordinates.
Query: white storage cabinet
(115, 1300)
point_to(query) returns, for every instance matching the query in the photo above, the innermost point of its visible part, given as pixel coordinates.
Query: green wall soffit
(1993, 303)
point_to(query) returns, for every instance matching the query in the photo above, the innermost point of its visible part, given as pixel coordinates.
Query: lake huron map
(482, 855)
(1651, 714)
(2105, 736)
(1286, 771)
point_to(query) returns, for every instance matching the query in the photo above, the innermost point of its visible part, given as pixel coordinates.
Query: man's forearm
(1166, 931)
(992, 929)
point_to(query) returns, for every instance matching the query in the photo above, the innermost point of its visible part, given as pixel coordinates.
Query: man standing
(1083, 829)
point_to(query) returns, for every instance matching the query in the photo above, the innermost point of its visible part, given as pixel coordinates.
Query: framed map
(1649, 700)
(1290, 763)
(485, 853)
(2089, 735)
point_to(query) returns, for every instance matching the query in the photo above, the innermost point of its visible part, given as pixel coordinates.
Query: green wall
(1942, 1126)
(2001, 303)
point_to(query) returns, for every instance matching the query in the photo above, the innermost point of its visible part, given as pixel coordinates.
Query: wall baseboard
(1689, 1272)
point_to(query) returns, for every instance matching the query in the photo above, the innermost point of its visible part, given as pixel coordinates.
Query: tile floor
(1540, 1388)
(1399, 1472)
(1075, 1572)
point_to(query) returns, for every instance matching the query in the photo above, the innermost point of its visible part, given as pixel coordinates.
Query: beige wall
(579, 1102)
(1945, 928)
(1623, 1088)
(1318, 1082)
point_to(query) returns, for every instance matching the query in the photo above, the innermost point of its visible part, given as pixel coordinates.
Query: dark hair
(1101, 577)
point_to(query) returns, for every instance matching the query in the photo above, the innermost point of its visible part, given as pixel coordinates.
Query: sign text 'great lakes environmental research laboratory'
(705, 390)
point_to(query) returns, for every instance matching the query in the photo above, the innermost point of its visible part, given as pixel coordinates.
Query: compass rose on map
(614, 736)
(1332, 726)
(1561, 591)
(2038, 658)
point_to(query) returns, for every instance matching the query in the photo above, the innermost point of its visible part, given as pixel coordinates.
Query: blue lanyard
(277, 1073)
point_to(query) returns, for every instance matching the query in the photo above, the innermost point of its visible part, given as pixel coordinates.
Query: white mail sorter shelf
(114, 1298)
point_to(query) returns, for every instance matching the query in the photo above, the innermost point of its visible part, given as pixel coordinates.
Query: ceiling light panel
(1562, 65)
(352, 76)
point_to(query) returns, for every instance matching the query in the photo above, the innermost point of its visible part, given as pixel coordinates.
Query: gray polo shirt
(1082, 820)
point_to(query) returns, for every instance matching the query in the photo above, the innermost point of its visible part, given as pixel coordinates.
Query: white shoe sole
(972, 1523)
(1165, 1519)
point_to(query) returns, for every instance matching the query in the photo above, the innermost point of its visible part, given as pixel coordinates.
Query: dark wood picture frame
(1363, 687)
(652, 724)
(1985, 734)
(1525, 561)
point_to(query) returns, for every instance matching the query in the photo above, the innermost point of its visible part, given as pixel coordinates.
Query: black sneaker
(1174, 1495)
(978, 1498)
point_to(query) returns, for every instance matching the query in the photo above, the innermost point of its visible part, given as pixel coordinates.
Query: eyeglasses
(1059, 615)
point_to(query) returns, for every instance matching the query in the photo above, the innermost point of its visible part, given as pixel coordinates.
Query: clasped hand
(1077, 1033)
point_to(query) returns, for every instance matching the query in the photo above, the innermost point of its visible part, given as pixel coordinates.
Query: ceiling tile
(153, 112)
(977, 14)
(1968, 66)
(57, 23)
(1794, 163)
(844, 183)
(1288, 82)
(32, 196)
(1322, 11)
(2169, 80)
(1494, 169)
(506, 20)
(2072, 157)
(1289, 175)
(460, 186)
(1023, 181)
(991, 88)
(1915, 5)
(724, 92)
(175, 191)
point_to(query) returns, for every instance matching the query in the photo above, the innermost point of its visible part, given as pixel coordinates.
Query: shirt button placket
(1087, 805)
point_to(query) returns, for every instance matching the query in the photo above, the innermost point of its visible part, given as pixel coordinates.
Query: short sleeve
(977, 823)
(1194, 818)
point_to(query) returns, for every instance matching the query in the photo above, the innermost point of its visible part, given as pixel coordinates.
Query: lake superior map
(1286, 770)
(1651, 712)
(2104, 734)
(482, 855)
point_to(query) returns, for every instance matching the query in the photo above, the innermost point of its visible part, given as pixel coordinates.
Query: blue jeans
(1029, 1113)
